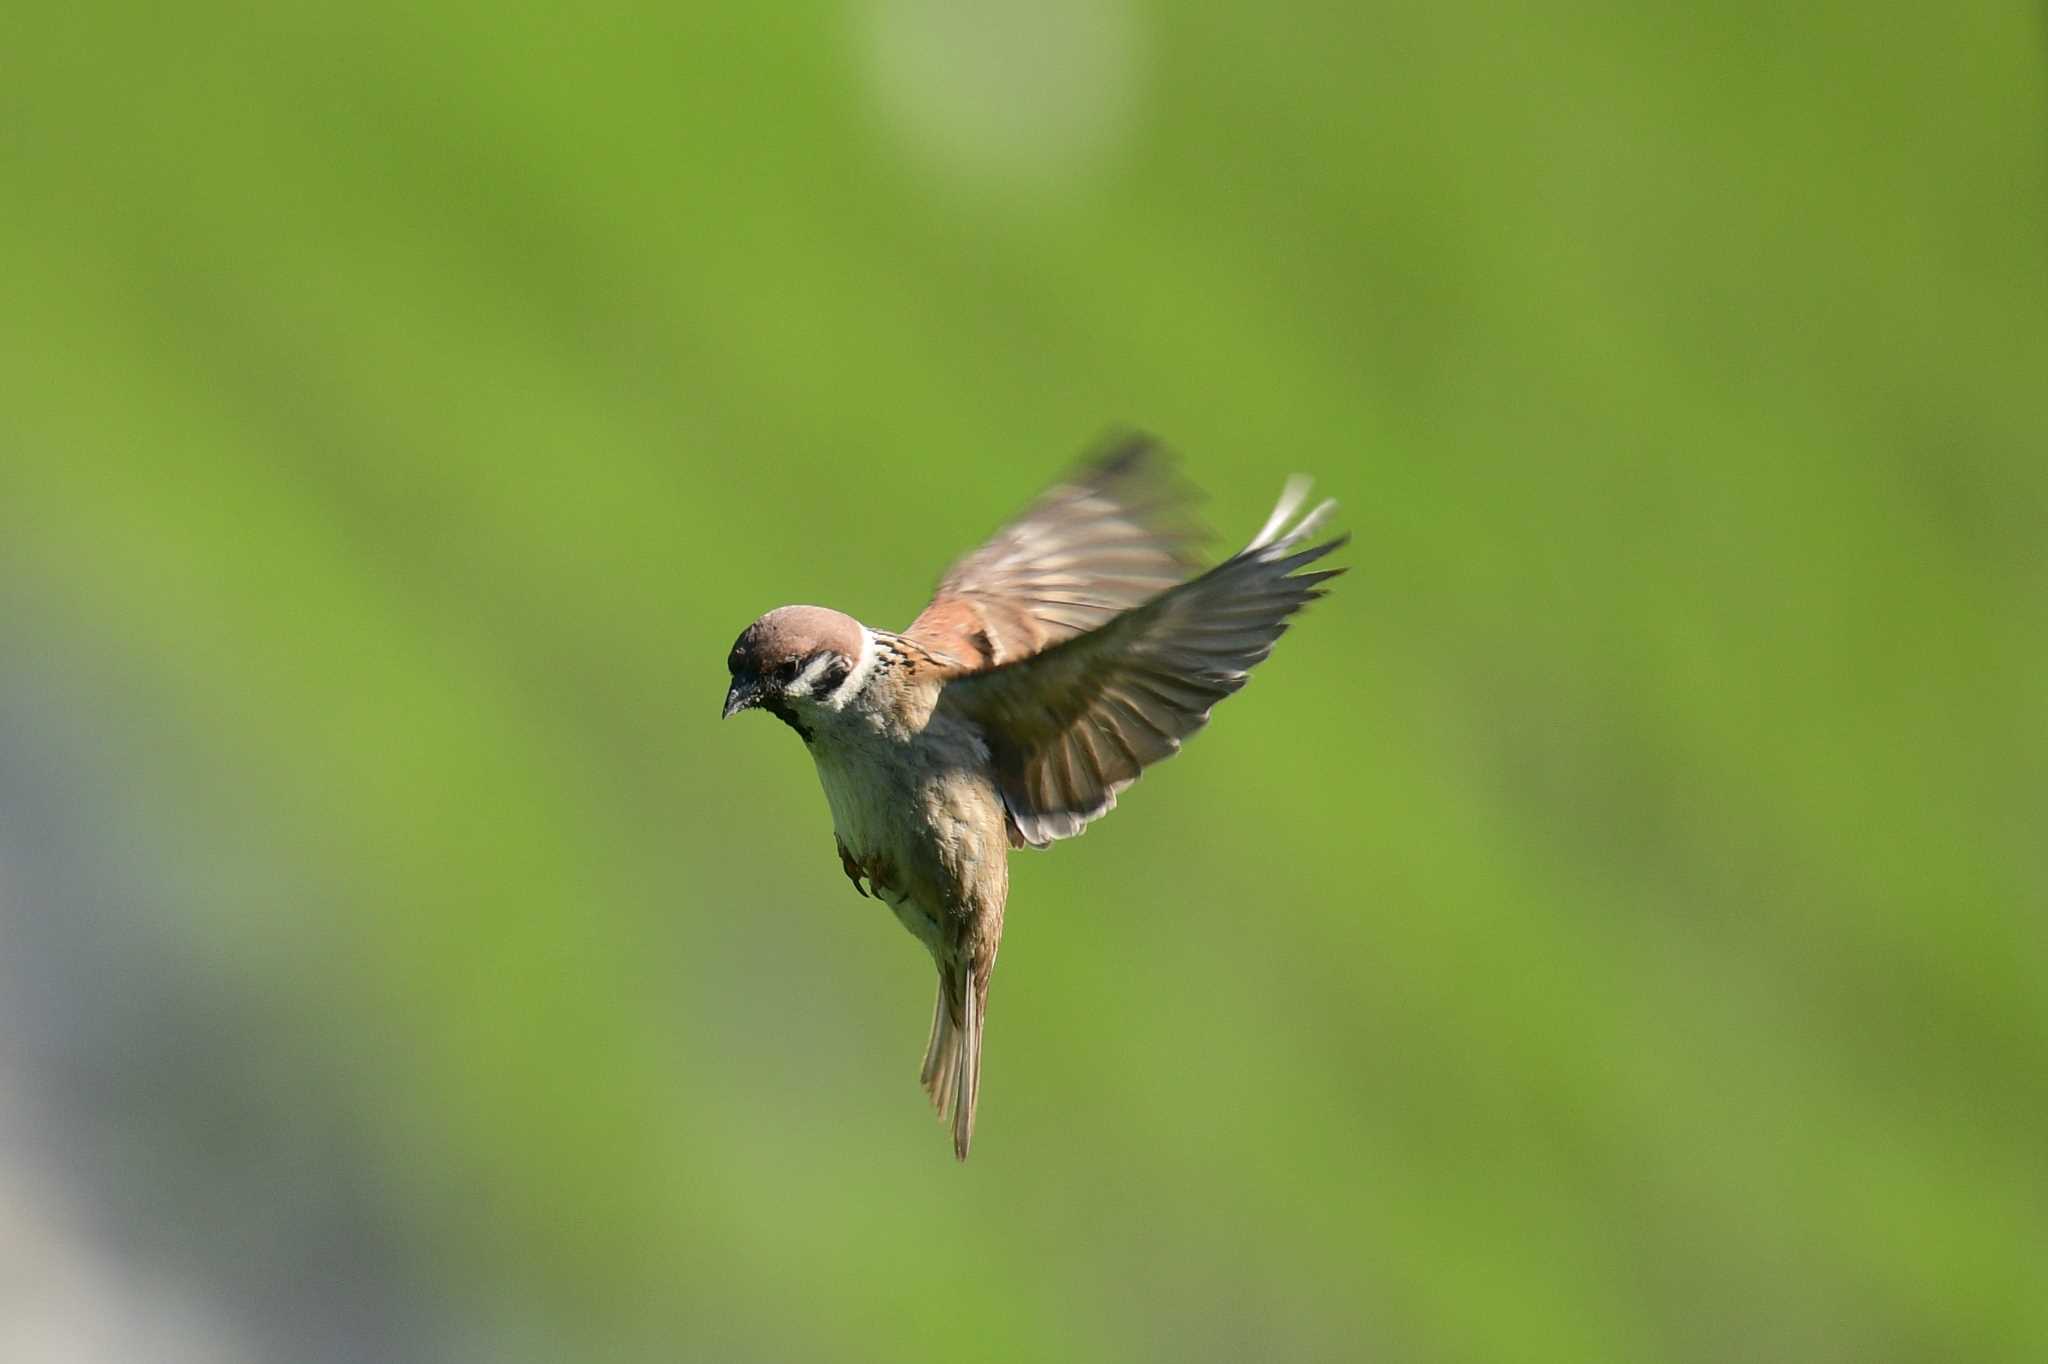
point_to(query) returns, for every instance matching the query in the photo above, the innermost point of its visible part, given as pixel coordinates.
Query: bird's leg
(849, 866)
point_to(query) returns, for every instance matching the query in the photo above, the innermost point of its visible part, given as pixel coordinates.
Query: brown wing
(1072, 726)
(1114, 534)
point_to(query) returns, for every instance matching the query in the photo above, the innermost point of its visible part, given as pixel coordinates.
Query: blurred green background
(1610, 929)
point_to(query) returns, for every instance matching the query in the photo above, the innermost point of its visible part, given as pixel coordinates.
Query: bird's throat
(784, 712)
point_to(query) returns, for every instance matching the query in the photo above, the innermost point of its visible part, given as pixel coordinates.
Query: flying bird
(1076, 648)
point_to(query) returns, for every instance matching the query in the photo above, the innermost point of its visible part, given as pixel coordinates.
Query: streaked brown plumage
(1053, 665)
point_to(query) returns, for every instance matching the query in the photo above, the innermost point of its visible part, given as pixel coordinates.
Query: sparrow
(1055, 663)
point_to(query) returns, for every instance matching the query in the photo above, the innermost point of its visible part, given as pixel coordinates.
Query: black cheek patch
(829, 680)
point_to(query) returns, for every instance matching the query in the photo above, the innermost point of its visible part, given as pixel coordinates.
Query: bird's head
(790, 659)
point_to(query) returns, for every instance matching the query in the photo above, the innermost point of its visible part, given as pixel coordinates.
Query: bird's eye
(787, 672)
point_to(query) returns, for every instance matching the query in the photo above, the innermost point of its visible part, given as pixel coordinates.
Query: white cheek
(857, 678)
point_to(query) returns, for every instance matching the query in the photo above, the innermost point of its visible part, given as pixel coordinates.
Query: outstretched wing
(1114, 534)
(1072, 726)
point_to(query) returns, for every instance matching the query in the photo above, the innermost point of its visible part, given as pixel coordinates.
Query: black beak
(744, 694)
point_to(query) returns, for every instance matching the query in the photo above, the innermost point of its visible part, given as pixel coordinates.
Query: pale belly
(874, 814)
(922, 829)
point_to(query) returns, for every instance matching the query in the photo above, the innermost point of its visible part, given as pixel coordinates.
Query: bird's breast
(868, 788)
(920, 818)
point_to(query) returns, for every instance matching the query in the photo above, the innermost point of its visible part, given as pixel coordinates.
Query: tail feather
(937, 1072)
(967, 1081)
(952, 1057)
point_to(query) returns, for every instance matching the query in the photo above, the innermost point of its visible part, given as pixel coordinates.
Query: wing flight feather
(1075, 720)
(1115, 533)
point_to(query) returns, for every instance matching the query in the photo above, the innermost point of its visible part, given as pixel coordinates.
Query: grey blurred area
(177, 1183)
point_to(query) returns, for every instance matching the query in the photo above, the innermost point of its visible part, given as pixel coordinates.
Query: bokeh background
(1611, 928)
